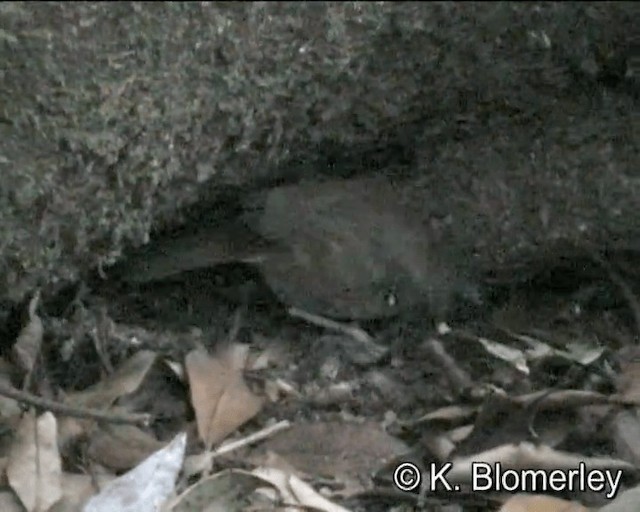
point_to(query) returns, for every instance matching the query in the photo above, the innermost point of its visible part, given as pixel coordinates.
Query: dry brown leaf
(77, 490)
(226, 491)
(126, 379)
(540, 503)
(121, 447)
(146, 487)
(65, 505)
(34, 469)
(296, 491)
(219, 395)
(230, 490)
(347, 452)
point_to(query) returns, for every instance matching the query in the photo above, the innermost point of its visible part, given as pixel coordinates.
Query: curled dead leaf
(27, 346)
(540, 503)
(35, 467)
(220, 397)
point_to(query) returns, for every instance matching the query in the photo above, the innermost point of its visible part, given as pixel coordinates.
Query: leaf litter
(223, 444)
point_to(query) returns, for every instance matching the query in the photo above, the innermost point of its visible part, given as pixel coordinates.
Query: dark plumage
(341, 248)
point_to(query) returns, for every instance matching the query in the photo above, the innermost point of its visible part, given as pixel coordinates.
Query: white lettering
(481, 470)
(613, 482)
(557, 480)
(493, 477)
(440, 476)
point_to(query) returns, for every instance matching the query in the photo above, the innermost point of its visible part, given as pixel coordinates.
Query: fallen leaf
(229, 490)
(126, 379)
(27, 346)
(510, 355)
(347, 452)
(147, 486)
(526, 503)
(226, 491)
(35, 469)
(121, 447)
(296, 492)
(77, 489)
(220, 397)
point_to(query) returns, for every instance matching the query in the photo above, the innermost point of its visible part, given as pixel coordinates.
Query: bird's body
(341, 248)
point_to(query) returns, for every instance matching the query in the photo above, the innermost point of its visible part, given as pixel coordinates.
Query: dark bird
(340, 248)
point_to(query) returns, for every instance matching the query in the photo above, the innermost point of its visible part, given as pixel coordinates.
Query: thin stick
(373, 350)
(68, 410)
(352, 330)
(202, 464)
(251, 439)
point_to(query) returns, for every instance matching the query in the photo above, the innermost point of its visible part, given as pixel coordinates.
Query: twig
(355, 332)
(251, 439)
(68, 410)
(360, 335)
(198, 464)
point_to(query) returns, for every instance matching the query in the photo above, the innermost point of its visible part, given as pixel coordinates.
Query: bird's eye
(391, 299)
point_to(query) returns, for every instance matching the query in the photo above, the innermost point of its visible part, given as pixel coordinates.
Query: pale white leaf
(147, 486)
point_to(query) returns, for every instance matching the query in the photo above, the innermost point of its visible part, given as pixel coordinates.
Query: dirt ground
(547, 367)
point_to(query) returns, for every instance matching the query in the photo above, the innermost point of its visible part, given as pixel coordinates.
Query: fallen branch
(68, 410)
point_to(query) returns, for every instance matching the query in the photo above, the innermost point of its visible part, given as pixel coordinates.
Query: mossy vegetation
(114, 117)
